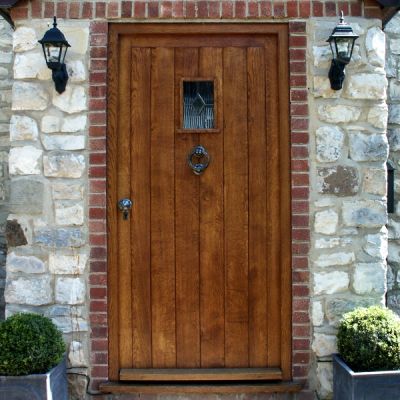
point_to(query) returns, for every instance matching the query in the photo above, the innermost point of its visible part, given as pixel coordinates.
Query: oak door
(199, 271)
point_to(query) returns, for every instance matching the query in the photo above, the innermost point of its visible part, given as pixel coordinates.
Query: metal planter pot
(50, 386)
(350, 385)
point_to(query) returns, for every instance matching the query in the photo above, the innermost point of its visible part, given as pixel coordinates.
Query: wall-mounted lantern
(55, 48)
(342, 43)
(390, 186)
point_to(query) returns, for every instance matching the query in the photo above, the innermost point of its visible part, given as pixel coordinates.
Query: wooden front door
(199, 272)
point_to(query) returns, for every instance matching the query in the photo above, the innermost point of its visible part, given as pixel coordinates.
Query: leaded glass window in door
(198, 105)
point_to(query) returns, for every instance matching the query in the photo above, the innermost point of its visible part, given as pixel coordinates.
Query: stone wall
(348, 152)
(392, 31)
(6, 58)
(47, 229)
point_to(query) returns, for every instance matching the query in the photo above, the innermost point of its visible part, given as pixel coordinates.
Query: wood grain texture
(163, 209)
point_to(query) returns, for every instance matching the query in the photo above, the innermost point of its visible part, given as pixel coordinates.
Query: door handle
(198, 153)
(124, 205)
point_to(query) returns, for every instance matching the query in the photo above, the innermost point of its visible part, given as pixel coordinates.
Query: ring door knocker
(198, 159)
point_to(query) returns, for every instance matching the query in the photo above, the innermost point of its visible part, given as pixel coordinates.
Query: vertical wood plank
(212, 273)
(236, 207)
(273, 205)
(186, 226)
(124, 191)
(162, 209)
(140, 220)
(112, 216)
(257, 209)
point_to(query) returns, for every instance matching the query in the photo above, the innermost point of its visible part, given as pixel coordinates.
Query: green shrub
(369, 339)
(29, 344)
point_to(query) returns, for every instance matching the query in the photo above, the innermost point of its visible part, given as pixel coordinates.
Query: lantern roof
(342, 30)
(54, 36)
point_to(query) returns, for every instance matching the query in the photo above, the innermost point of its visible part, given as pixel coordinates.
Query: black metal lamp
(55, 48)
(342, 44)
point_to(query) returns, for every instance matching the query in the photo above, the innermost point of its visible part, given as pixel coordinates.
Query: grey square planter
(350, 385)
(50, 386)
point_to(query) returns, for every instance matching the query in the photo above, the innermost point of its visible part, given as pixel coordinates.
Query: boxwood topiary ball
(369, 339)
(29, 344)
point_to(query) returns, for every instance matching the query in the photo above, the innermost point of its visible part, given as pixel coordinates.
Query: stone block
(68, 311)
(78, 38)
(331, 282)
(364, 213)
(34, 291)
(67, 191)
(394, 45)
(76, 71)
(6, 33)
(393, 26)
(370, 278)
(71, 101)
(50, 124)
(375, 44)
(394, 114)
(70, 325)
(317, 313)
(393, 229)
(25, 264)
(61, 164)
(25, 160)
(69, 213)
(394, 90)
(3, 73)
(324, 345)
(76, 355)
(366, 86)
(338, 180)
(330, 243)
(5, 57)
(374, 181)
(27, 196)
(368, 147)
(31, 66)
(70, 290)
(29, 96)
(333, 259)
(376, 245)
(326, 222)
(378, 115)
(62, 264)
(394, 252)
(63, 142)
(329, 140)
(325, 380)
(74, 123)
(322, 88)
(336, 114)
(59, 238)
(322, 56)
(77, 385)
(23, 128)
(24, 39)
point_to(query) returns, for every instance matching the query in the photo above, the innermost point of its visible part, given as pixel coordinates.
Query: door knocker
(198, 159)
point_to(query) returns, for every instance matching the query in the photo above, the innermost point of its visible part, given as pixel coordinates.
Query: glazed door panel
(199, 272)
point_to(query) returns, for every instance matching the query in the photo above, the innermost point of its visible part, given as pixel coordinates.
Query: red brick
(300, 371)
(300, 262)
(300, 220)
(202, 9)
(97, 144)
(300, 137)
(98, 266)
(177, 9)
(20, 13)
(166, 9)
(330, 9)
(301, 305)
(240, 9)
(36, 8)
(305, 8)
(355, 9)
(297, 41)
(98, 65)
(252, 8)
(301, 344)
(99, 358)
(300, 152)
(300, 193)
(343, 6)
(87, 10)
(113, 9)
(98, 52)
(97, 91)
(265, 9)
(301, 277)
(97, 159)
(279, 9)
(139, 9)
(98, 77)
(99, 332)
(227, 9)
(300, 165)
(97, 200)
(97, 213)
(99, 371)
(297, 27)
(152, 7)
(126, 9)
(98, 118)
(318, 9)
(99, 319)
(298, 80)
(190, 9)
(298, 95)
(297, 54)
(49, 11)
(98, 280)
(74, 9)
(99, 345)
(97, 240)
(301, 358)
(62, 10)
(300, 179)
(299, 124)
(297, 66)
(97, 104)
(300, 248)
(370, 12)
(99, 39)
(298, 109)
(300, 290)
(301, 234)
(97, 131)
(98, 252)
(97, 172)
(100, 10)
(97, 186)
(300, 317)
(98, 293)
(300, 206)
(213, 9)
(292, 9)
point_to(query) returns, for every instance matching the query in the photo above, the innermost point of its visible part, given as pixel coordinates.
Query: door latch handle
(125, 205)
(198, 159)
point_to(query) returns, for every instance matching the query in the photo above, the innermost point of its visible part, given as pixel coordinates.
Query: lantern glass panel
(53, 53)
(343, 48)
